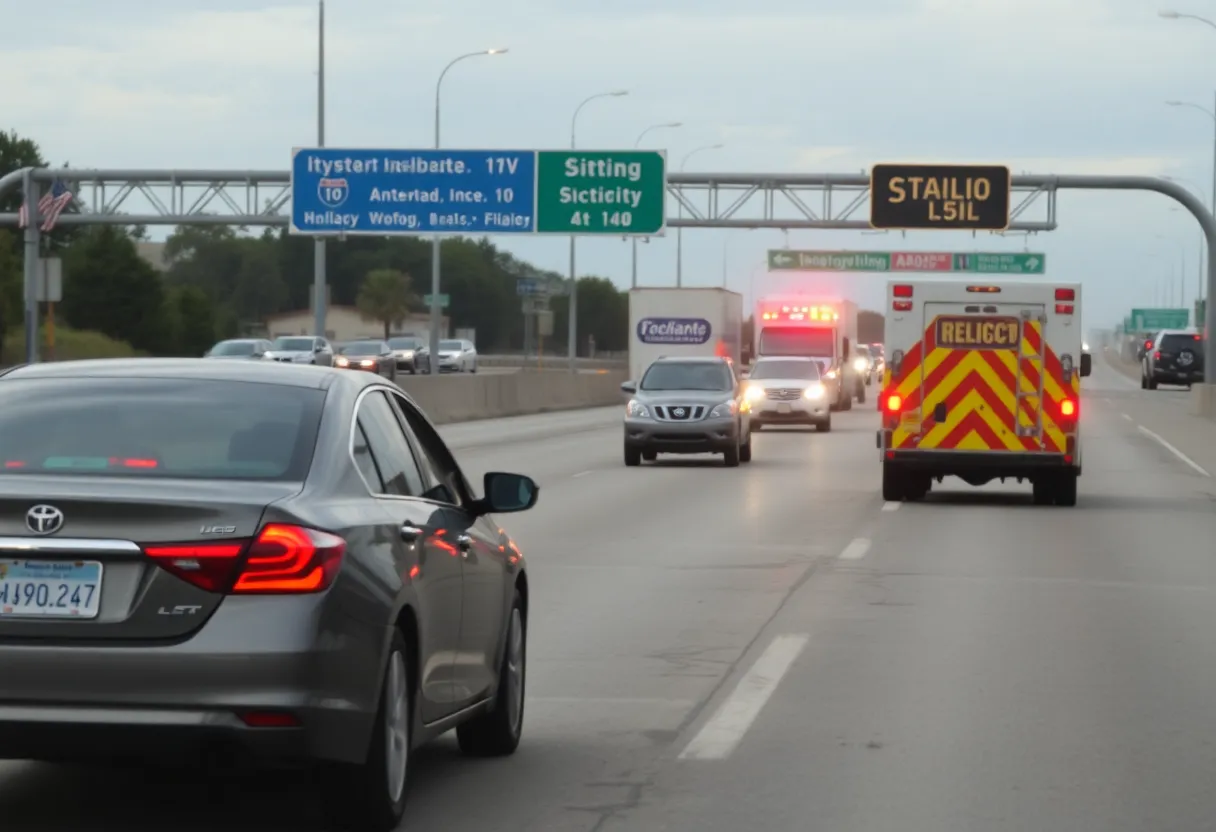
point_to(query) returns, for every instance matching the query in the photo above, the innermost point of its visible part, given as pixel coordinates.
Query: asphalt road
(773, 648)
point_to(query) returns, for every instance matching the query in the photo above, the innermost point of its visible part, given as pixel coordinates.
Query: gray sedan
(285, 560)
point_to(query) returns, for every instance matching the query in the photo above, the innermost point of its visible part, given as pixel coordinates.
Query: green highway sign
(601, 192)
(906, 261)
(982, 263)
(444, 300)
(833, 261)
(1144, 320)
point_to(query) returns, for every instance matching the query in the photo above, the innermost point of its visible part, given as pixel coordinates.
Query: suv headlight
(815, 391)
(754, 392)
(724, 409)
(859, 364)
(636, 410)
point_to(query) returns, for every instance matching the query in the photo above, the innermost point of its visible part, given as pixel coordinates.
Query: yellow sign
(909, 197)
(975, 333)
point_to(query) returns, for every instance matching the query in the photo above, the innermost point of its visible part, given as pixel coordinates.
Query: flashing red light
(1064, 308)
(1066, 294)
(282, 559)
(1068, 408)
(903, 290)
(894, 403)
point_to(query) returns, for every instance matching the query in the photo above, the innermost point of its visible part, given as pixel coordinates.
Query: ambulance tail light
(894, 403)
(1068, 408)
(1069, 413)
(1066, 294)
(902, 306)
(902, 290)
(1064, 308)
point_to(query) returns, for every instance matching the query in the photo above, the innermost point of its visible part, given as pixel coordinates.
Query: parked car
(368, 356)
(301, 349)
(270, 559)
(240, 348)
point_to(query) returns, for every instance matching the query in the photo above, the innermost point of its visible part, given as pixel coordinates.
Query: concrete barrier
(552, 362)
(462, 398)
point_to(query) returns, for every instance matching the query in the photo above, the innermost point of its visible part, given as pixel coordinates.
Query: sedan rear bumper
(267, 686)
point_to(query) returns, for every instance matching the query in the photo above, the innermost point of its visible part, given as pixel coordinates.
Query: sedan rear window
(194, 429)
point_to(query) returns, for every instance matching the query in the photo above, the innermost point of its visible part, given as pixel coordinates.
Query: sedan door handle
(410, 534)
(464, 542)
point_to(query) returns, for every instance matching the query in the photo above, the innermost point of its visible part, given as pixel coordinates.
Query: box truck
(676, 322)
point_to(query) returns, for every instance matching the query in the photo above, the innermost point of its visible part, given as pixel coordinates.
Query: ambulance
(982, 382)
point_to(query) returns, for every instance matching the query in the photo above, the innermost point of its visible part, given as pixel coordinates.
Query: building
(154, 253)
(346, 323)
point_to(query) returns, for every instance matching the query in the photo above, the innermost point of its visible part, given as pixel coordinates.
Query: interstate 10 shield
(333, 192)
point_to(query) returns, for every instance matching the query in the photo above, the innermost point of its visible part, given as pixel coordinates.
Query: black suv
(1174, 357)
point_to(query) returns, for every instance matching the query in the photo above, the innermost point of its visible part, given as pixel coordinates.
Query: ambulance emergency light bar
(800, 313)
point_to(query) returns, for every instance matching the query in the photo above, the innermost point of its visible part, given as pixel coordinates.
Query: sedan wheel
(497, 732)
(370, 797)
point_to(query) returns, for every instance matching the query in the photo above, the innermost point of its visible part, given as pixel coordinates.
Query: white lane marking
(1161, 440)
(724, 731)
(891, 506)
(856, 550)
(1128, 418)
(581, 474)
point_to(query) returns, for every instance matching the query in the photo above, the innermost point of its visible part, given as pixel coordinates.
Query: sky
(1045, 86)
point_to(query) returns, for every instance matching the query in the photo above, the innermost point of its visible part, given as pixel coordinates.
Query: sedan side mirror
(1087, 363)
(505, 493)
(319, 348)
(629, 387)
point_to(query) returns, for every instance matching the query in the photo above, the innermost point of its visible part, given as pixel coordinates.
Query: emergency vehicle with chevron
(982, 382)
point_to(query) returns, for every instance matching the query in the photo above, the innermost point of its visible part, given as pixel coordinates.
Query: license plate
(784, 407)
(50, 589)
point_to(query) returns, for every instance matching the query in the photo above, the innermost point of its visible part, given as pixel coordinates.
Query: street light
(680, 214)
(637, 144)
(432, 363)
(572, 310)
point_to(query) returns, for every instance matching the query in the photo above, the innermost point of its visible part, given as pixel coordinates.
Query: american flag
(50, 206)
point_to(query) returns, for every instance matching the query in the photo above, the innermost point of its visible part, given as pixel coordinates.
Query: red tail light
(1068, 408)
(894, 403)
(1157, 355)
(1148, 345)
(902, 290)
(1064, 308)
(283, 559)
(1066, 294)
(902, 306)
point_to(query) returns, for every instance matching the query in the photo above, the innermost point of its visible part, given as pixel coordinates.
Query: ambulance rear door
(982, 376)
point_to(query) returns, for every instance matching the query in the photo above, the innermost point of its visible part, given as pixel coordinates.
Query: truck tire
(861, 394)
(1066, 490)
(892, 483)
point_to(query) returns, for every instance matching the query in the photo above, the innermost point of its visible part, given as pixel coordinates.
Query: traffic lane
(647, 583)
(1163, 419)
(978, 662)
(514, 429)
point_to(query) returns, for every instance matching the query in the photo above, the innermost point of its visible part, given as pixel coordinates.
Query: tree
(385, 296)
(194, 317)
(109, 288)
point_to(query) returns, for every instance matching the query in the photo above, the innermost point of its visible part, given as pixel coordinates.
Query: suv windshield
(158, 428)
(293, 344)
(451, 346)
(1177, 341)
(362, 348)
(802, 370)
(405, 343)
(234, 348)
(673, 375)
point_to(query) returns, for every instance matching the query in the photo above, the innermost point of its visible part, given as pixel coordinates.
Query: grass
(70, 344)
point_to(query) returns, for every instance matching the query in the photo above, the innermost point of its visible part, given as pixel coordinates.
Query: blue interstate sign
(674, 330)
(412, 192)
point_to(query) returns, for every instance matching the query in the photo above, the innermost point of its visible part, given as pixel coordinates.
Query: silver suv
(687, 406)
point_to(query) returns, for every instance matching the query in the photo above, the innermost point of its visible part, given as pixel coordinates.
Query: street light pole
(432, 363)
(572, 308)
(636, 145)
(680, 214)
(320, 301)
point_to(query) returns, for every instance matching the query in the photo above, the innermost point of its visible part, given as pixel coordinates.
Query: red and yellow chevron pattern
(977, 387)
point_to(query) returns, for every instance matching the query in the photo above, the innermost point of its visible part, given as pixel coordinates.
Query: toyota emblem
(679, 411)
(44, 519)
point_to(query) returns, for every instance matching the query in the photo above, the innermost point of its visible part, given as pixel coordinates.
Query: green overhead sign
(1144, 320)
(907, 261)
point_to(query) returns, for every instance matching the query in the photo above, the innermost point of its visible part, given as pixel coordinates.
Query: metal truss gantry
(697, 200)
